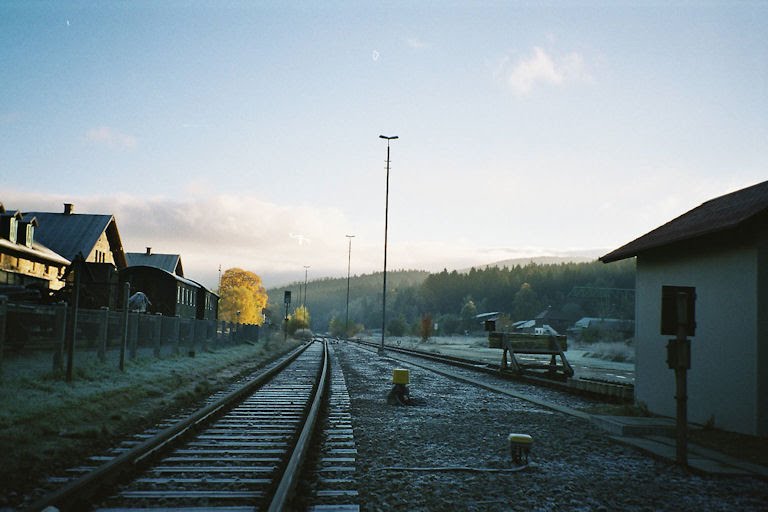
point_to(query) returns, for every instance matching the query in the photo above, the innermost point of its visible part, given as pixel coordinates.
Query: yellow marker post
(520, 446)
(400, 376)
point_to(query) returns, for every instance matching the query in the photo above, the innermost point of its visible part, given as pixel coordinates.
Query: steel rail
(491, 369)
(73, 494)
(292, 469)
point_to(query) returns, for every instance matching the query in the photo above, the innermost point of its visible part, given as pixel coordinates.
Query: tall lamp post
(303, 302)
(386, 216)
(349, 265)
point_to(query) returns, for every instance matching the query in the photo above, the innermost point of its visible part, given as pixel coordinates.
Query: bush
(617, 352)
(303, 334)
(449, 324)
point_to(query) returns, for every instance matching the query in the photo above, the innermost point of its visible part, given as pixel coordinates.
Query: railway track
(602, 389)
(242, 451)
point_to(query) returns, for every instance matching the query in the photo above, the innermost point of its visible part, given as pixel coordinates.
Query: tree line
(452, 299)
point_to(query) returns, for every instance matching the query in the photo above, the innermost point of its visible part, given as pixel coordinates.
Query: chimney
(69, 208)
(149, 251)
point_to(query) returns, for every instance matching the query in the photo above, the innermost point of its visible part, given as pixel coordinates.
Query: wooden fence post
(124, 340)
(72, 335)
(103, 333)
(133, 335)
(191, 337)
(157, 329)
(3, 322)
(204, 327)
(60, 335)
(175, 333)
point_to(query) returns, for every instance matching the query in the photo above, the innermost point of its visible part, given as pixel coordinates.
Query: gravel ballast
(449, 452)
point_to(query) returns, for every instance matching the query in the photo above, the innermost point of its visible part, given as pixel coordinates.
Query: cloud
(415, 43)
(104, 135)
(542, 68)
(208, 230)
(269, 239)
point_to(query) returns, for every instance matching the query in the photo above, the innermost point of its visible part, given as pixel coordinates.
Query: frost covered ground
(47, 425)
(596, 360)
(449, 452)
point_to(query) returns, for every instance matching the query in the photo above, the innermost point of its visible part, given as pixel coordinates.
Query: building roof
(159, 271)
(38, 252)
(168, 262)
(716, 215)
(70, 234)
(35, 251)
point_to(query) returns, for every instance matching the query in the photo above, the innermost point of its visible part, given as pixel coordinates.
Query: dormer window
(26, 232)
(9, 227)
(30, 234)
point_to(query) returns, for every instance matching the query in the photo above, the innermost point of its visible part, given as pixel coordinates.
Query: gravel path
(573, 466)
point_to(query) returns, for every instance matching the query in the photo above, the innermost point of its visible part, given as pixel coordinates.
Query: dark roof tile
(70, 234)
(168, 262)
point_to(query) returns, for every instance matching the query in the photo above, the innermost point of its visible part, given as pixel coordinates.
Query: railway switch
(520, 447)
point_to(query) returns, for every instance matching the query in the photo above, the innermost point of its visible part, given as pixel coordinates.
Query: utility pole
(304, 302)
(349, 265)
(386, 216)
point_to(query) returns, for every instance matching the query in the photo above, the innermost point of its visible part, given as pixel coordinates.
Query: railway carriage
(170, 294)
(207, 303)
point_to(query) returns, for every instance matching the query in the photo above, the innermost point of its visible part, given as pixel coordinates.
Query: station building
(720, 249)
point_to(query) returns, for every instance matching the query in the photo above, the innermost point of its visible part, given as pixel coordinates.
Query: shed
(721, 249)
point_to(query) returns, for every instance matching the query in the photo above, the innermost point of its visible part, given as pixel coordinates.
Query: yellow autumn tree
(299, 320)
(241, 290)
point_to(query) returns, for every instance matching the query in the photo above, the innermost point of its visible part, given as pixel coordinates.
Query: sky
(246, 134)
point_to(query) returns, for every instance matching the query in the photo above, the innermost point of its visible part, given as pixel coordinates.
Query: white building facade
(720, 249)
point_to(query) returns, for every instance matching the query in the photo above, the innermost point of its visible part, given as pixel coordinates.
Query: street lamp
(349, 265)
(303, 303)
(386, 215)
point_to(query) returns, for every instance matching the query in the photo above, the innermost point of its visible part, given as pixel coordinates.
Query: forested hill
(326, 298)
(521, 292)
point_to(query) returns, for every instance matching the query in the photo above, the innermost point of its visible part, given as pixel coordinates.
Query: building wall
(101, 252)
(723, 382)
(762, 334)
(20, 271)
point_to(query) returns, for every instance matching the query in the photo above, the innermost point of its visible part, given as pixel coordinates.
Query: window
(30, 234)
(13, 227)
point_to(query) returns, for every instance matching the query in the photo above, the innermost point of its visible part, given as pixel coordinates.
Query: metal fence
(113, 336)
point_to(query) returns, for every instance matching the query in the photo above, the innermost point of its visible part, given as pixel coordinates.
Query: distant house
(615, 328)
(24, 261)
(94, 237)
(555, 318)
(482, 318)
(168, 262)
(721, 249)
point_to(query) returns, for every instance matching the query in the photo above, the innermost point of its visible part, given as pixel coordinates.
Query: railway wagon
(169, 294)
(207, 303)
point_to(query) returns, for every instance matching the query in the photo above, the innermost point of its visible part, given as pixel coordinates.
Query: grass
(47, 425)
